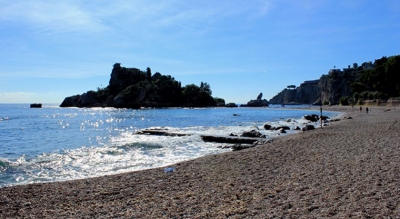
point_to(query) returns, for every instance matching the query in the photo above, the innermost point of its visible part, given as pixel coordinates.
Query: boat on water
(36, 105)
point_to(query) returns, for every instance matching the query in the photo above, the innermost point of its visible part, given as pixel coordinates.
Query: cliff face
(306, 93)
(334, 86)
(328, 89)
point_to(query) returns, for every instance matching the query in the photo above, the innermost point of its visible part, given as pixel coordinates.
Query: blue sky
(53, 49)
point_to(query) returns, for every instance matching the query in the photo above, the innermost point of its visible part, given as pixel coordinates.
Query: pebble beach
(347, 169)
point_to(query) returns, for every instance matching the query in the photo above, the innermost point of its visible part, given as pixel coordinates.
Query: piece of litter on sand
(169, 169)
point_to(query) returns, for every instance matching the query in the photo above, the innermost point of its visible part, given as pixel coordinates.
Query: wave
(113, 147)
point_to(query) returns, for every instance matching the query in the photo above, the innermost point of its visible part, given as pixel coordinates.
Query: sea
(51, 144)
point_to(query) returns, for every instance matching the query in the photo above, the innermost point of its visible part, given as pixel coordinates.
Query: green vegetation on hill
(377, 81)
(380, 82)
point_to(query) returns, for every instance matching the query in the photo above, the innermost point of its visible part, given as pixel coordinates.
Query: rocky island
(134, 88)
(259, 102)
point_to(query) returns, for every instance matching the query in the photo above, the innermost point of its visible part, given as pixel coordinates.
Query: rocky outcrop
(307, 93)
(71, 101)
(89, 98)
(334, 86)
(259, 102)
(133, 88)
(326, 90)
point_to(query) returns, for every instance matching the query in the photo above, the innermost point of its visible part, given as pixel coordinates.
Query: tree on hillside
(148, 73)
(205, 88)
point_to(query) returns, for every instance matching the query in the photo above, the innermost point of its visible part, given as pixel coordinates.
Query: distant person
(360, 108)
(366, 110)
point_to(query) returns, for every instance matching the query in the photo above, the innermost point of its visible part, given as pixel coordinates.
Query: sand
(349, 169)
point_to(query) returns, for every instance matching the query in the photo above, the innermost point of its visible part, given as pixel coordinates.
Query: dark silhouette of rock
(133, 88)
(131, 97)
(308, 128)
(259, 96)
(229, 139)
(324, 118)
(252, 134)
(282, 130)
(71, 101)
(312, 118)
(282, 127)
(36, 105)
(231, 105)
(257, 102)
(89, 99)
(267, 127)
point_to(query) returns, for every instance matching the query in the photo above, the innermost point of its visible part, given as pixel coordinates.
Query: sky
(51, 49)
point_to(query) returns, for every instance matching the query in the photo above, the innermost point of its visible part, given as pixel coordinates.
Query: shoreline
(347, 169)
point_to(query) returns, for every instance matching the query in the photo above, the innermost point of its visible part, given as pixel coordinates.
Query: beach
(347, 169)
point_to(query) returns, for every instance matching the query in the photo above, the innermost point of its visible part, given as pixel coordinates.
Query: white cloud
(50, 16)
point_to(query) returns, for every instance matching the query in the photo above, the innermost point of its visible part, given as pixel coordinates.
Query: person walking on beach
(366, 110)
(360, 108)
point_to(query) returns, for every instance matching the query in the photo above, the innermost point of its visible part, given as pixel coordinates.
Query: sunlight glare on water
(55, 144)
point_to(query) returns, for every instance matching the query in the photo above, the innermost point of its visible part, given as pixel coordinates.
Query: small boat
(36, 105)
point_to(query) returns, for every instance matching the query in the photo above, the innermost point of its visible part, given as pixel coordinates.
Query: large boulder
(268, 127)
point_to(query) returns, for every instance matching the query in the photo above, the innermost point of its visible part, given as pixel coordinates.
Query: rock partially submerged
(36, 105)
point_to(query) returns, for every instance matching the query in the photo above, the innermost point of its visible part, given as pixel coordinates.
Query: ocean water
(56, 144)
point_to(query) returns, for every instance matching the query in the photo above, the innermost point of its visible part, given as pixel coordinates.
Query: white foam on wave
(127, 151)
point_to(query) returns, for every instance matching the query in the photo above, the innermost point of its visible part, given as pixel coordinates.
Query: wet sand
(349, 169)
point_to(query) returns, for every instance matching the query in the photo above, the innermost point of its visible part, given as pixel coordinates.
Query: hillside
(378, 81)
